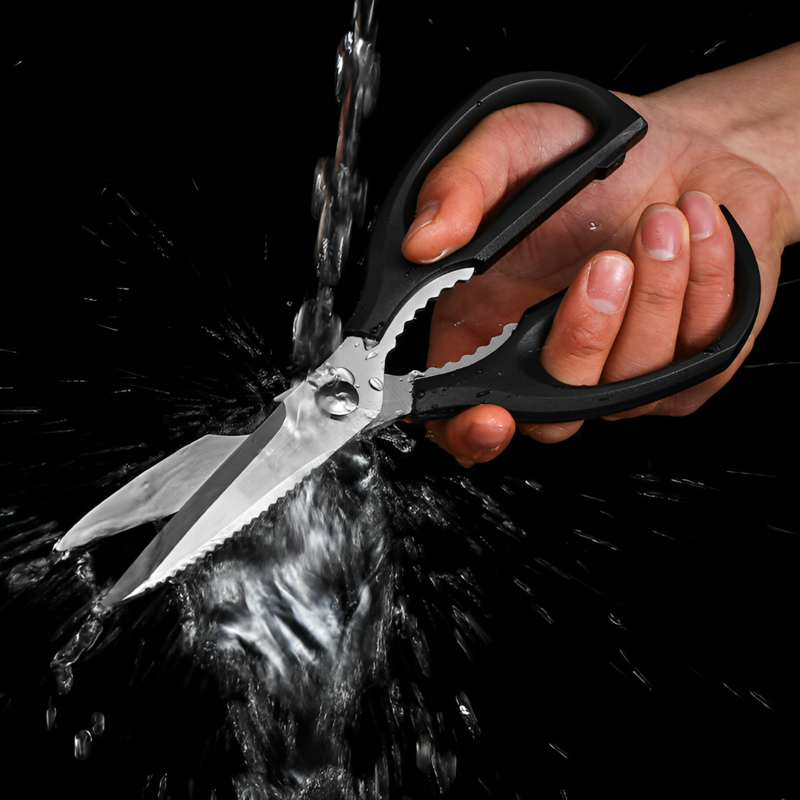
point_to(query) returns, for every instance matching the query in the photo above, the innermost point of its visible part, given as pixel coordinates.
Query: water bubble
(82, 747)
(376, 384)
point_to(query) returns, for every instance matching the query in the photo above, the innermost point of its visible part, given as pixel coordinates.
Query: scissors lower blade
(296, 439)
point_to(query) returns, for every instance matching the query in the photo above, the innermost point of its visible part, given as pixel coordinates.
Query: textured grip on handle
(513, 376)
(392, 280)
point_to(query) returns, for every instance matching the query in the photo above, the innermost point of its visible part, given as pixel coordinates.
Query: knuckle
(711, 272)
(665, 292)
(585, 343)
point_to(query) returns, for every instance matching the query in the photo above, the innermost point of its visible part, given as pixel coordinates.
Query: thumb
(449, 210)
(499, 155)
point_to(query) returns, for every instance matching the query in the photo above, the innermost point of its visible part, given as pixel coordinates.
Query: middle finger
(647, 339)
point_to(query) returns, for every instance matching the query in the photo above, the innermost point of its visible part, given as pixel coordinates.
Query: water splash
(78, 645)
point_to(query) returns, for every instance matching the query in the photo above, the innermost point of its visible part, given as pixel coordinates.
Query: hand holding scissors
(216, 486)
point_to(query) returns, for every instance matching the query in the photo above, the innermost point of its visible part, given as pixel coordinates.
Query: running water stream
(609, 617)
(340, 193)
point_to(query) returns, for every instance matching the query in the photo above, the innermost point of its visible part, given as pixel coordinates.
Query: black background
(210, 122)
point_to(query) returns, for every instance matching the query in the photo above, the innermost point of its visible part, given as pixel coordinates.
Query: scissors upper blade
(156, 493)
(297, 438)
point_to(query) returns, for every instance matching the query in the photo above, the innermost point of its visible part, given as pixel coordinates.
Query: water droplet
(595, 226)
(372, 354)
(337, 398)
(50, 716)
(98, 723)
(82, 745)
(376, 384)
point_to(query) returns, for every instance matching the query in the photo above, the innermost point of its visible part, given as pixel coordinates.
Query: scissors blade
(298, 437)
(291, 443)
(154, 494)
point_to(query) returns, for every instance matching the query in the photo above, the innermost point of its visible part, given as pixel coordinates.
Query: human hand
(624, 315)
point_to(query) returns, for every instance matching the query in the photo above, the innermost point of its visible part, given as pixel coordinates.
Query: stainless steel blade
(295, 439)
(154, 494)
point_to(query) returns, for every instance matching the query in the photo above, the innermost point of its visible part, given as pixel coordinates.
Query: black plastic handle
(513, 376)
(392, 280)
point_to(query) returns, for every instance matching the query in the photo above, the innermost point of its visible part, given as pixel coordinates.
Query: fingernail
(662, 233)
(445, 252)
(698, 208)
(609, 282)
(425, 216)
(485, 437)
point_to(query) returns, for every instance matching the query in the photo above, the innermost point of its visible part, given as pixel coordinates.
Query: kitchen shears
(217, 485)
